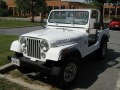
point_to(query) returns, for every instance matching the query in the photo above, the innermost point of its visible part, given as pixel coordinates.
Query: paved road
(19, 31)
(101, 75)
(95, 75)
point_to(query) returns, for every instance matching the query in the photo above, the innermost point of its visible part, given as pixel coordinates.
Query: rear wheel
(110, 28)
(102, 51)
(69, 71)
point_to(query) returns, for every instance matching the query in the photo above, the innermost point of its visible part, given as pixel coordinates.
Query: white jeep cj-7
(69, 36)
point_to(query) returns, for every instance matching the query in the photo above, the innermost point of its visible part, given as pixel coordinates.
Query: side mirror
(97, 25)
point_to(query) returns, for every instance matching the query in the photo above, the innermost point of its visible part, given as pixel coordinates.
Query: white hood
(56, 35)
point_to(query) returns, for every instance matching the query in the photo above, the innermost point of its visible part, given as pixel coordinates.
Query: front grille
(33, 48)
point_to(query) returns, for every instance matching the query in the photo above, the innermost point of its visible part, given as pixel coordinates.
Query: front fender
(55, 53)
(15, 46)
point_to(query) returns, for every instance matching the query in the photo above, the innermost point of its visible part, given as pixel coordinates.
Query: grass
(6, 85)
(18, 74)
(5, 42)
(16, 23)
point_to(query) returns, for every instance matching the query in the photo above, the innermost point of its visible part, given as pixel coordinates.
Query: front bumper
(37, 66)
(114, 26)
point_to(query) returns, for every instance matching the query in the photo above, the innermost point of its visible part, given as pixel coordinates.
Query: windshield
(69, 17)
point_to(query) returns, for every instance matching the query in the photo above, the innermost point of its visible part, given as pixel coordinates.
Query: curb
(118, 83)
(6, 67)
(18, 81)
(25, 84)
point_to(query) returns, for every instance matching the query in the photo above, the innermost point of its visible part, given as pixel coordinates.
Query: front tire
(69, 71)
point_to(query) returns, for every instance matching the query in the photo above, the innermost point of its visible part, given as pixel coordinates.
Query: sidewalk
(36, 18)
(118, 83)
(15, 18)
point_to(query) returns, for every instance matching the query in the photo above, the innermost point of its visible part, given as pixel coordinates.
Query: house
(52, 4)
(111, 10)
(11, 6)
(64, 4)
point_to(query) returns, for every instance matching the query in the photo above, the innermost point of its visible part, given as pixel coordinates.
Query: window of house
(63, 7)
(113, 11)
(56, 7)
(106, 11)
(118, 11)
(72, 7)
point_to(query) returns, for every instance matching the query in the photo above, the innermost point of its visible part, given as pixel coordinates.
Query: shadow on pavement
(116, 29)
(91, 68)
(89, 72)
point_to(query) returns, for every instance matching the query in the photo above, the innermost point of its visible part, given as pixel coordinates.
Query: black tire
(69, 71)
(110, 28)
(102, 51)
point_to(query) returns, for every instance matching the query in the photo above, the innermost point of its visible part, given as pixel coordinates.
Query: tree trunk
(101, 15)
(32, 11)
(41, 21)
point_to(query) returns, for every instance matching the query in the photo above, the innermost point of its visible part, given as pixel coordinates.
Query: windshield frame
(73, 11)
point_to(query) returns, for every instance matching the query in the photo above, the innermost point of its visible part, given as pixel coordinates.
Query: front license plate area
(15, 61)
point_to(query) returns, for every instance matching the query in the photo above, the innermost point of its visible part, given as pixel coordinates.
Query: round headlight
(23, 42)
(44, 45)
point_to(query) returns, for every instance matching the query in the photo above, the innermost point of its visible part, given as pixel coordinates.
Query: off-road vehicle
(69, 36)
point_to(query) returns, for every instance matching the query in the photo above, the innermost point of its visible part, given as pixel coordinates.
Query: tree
(41, 7)
(3, 8)
(38, 6)
(22, 6)
(115, 4)
(99, 4)
(33, 6)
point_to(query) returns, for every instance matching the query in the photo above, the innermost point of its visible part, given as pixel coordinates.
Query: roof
(73, 9)
(82, 1)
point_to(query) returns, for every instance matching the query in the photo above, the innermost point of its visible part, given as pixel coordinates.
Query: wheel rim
(70, 72)
(104, 50)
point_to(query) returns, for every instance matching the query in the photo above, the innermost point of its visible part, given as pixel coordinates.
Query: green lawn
(5, 42)
(7, 85)
(16, 23)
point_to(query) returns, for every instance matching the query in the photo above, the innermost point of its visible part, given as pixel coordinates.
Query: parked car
(114, 23)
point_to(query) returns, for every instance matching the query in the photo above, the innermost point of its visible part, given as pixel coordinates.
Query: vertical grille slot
(33, 48)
